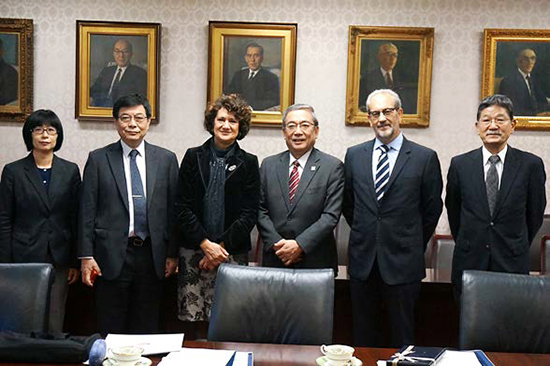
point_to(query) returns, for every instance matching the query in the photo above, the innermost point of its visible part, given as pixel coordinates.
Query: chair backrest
(25, 296)
(545, 254)
(272, 305)
(534, 251)
(341, 233)
(504, 312)
(441, 257)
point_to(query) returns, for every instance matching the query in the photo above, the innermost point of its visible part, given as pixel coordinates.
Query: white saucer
(322, 361)
(143, 361)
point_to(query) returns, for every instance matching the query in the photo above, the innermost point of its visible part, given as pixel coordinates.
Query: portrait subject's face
(122, 53)
(384, 117)
(132, 125)
(387, 56)
(299, 132)
(526, 60)
(494, 127)
(226, 129)
(253, 58)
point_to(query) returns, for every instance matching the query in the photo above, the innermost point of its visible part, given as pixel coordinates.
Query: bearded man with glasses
(392, 202)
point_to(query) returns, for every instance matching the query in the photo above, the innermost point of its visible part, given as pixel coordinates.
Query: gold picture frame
(16, 68)
(412, 50)
(102, 48)
(228, 72)
(506, 54)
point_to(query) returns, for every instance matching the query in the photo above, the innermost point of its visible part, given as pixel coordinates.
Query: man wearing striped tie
(301, 197)
(392, 202)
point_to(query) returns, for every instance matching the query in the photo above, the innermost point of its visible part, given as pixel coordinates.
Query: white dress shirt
(140, 162)
(393, 152)
(499, 165)
(302, 161)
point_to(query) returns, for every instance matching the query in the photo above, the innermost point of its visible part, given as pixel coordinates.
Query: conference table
(294, 355)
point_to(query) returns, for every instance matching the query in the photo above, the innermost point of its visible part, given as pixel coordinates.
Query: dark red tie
(293, 181)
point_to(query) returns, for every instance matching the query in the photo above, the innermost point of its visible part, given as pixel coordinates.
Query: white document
(151, 343)
(202, 356)
(452, 358)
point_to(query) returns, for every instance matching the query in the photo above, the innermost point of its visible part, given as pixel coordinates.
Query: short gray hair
(391, 93)
(297, 107)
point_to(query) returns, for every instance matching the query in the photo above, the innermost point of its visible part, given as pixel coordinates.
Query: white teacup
(338, 354)
(125, 355)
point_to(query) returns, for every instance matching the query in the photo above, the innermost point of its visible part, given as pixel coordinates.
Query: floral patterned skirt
(196, 287)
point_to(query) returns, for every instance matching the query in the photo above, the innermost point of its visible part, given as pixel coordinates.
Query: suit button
(487, 246)
(379, 218)
(492, 224)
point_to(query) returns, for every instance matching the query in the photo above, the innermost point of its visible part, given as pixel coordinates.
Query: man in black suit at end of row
(495, 197)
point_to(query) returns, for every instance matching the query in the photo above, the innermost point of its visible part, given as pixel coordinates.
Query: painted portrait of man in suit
(252, 69)
(522, 73)
(118, 68)
(9, 78)
(390, 64)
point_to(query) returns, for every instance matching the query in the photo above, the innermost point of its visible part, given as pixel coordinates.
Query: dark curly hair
(233, 103)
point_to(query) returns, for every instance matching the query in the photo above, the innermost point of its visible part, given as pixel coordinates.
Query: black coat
(34, 222)
(242, 197)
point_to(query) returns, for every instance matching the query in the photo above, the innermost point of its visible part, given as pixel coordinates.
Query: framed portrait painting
(516, 63)
(16, 69)
(396, 58)
(256, 61)
(115, 59)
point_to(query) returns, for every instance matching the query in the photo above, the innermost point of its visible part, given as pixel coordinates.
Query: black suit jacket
(261, 92)
(104, 216)
(505, 236)
(33, 220)
(397, 229)
(374, 80)
(242, 196)
(133, 81)
(515, 88)
(311, 219)
(8, 83)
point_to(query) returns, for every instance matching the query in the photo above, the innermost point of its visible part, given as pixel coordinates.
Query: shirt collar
(302, 160)
(523, 74)
(127, 149)
(487, 154)
(384, 72)
(395, 144)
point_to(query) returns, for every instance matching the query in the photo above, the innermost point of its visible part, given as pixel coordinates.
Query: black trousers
(130, 304)
(371, 300)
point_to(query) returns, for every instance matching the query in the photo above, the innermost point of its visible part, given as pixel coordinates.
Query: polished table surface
(278, 355)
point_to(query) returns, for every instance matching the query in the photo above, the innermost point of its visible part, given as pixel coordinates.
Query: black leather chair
(545, 255)
(441, 257)
(503, 312)
(25, 296)
(272, 305)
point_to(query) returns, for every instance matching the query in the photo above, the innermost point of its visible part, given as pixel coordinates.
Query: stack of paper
(210, 357)
(152, 344)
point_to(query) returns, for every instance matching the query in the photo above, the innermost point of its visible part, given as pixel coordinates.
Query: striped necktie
(293, 181)
(382, 172)
(491, 182)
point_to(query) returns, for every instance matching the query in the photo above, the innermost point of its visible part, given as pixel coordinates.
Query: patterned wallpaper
(320, 76)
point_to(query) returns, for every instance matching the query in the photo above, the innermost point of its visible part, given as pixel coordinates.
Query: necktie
(138, 196)
(382, 172)
(293, 181)
(251, 75)
(115, 83)
(491, 182)
(531, 93)
(389, 81)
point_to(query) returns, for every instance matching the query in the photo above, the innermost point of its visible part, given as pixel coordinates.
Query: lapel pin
(313, 168)
(232, 167)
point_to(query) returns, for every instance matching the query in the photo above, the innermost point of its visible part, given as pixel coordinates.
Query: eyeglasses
(304, 126)
(376, 114)
(40, 130)
(499, 121)
(390, 54)
(127, 118)
(121, 52)
(529, 58)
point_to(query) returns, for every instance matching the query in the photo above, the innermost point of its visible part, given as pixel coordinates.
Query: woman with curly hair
(217, 205)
